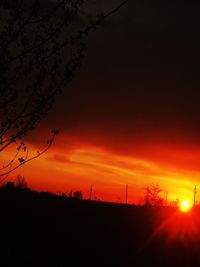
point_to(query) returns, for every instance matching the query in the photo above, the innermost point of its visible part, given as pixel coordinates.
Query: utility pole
(126, 194)
(195, 192)
(166, 198)
(90, 197)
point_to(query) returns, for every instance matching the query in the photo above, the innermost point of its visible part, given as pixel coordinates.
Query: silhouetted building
(9, 185)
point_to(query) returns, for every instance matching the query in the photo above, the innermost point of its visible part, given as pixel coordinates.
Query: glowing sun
(185, 206)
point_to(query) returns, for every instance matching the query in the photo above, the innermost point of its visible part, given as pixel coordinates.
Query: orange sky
(131, 115)
(82, 165)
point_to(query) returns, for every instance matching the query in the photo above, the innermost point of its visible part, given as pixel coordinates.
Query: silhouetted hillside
(42, 229)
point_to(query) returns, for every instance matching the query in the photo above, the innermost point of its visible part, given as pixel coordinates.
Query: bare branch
(39, 55)
(26, 160)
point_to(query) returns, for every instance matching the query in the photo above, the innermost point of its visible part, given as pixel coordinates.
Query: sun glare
(185, 206)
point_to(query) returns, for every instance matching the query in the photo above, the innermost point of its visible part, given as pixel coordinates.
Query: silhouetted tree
(42, 44)
(153, 195)
(70, 194)
(63, 195)
(9, 186)
(175, 203)
(78, 195)
(21, 182)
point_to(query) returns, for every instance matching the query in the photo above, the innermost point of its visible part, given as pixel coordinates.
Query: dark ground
(41, 229)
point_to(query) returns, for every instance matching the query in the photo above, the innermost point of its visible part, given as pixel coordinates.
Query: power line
(126, 194)
(195, 193)
(90, 197)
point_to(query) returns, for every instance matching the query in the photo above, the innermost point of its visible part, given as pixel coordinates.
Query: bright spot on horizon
(185, 206)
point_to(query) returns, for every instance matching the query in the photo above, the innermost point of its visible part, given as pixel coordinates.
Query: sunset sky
(132, 114)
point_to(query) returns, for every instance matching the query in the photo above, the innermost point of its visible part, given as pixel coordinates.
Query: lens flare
(185, 206)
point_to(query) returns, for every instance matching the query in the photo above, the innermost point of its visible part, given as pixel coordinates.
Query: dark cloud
(140, 78)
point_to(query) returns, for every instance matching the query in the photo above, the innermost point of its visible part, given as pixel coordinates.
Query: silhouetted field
(42, 229)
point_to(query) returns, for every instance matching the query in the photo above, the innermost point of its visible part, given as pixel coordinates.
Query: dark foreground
(40, 229)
